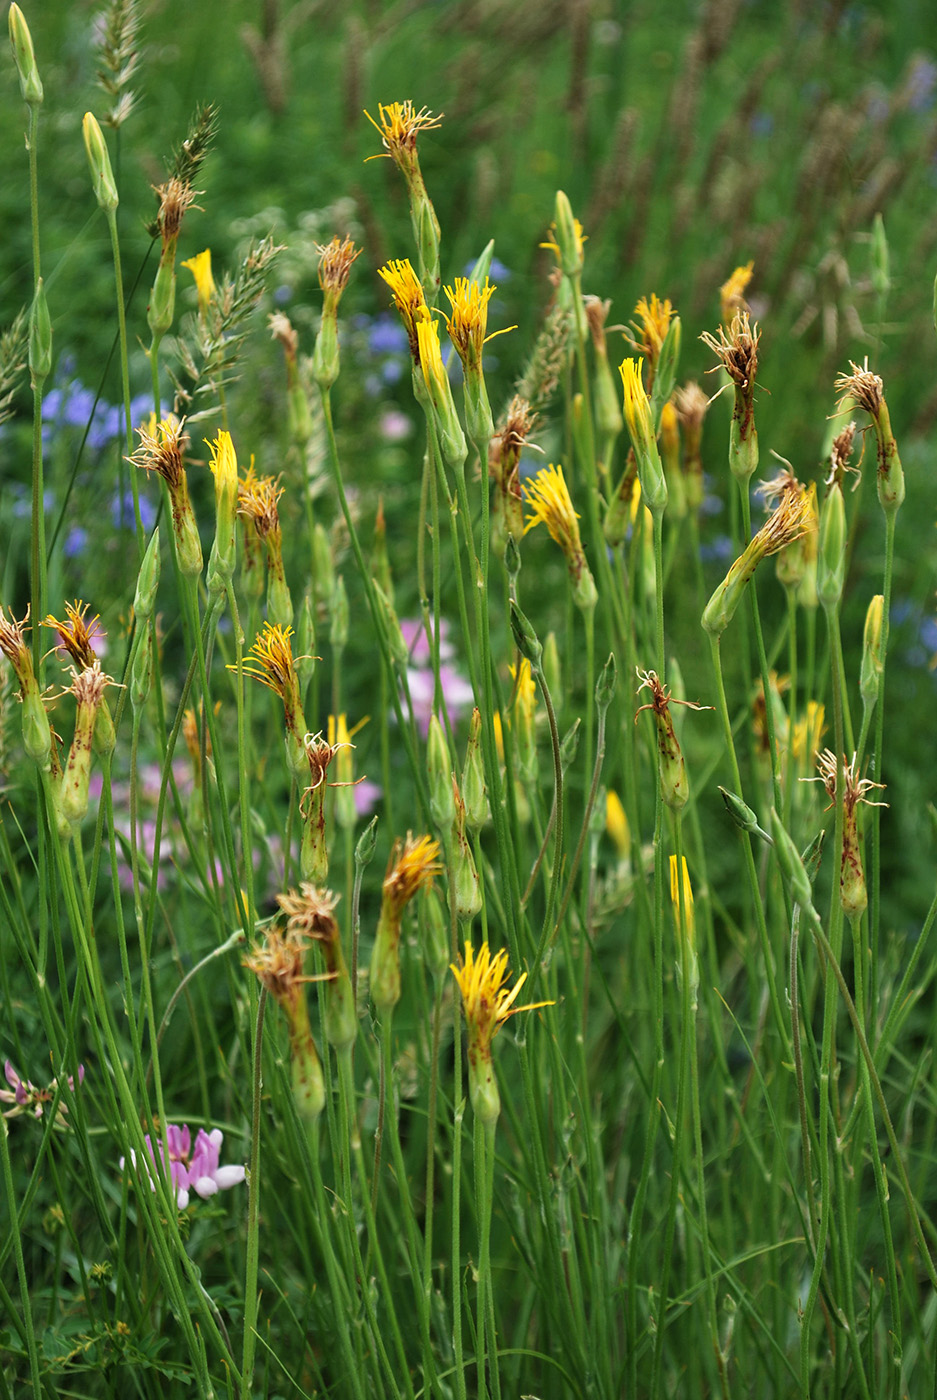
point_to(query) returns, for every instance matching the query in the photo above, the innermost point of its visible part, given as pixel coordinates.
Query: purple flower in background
(24, 1095)
(457, 692)
(720, 548)
(395, 426)
(122, 512)
(387, 337)
(366, 795)
(190, 1169)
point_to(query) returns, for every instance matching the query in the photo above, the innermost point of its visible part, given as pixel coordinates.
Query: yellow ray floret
(487, 999)
(548, 495)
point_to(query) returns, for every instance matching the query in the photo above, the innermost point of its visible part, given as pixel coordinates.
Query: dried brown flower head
(861, 388)
(335, 262)
(77, 633)
(737, 351)
(161, 448)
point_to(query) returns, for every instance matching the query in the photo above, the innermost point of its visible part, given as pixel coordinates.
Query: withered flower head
(513, 431)
(278, 965)
(175, 197)
(335, 261)
(661, 696)
(855, 788)
(691, 405)
(841, 456)
(161, 448)
(13, 641)
(320, 754)
(281, 328)
(861, 388)
(596, 315)
(398, 125)
(88, 685)
(257, 501)
(778, 487)
(792, 519)
(310, 912)
(737, 352)
(77, 634)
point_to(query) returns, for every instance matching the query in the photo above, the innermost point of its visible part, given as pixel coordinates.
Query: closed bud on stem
(605, 685)
(434, 932)
(665, 374)
(21, 39)
(569, 745)
(144, 599)
(366, 844)
(831, 557)
(550, 666)
(473, 777)
(102, 176)
(465, 883)
(399, 651)
(742, 815)
(792, 867)
(512, 559)
(525, 638)
(313, 850)
(674, 787)
(325, 360)
(569, 238)
(306, 1076)
(439, 772)
(88, 688)
(681, 895)
(162, 308)
(224, 550)
(873, 656)
(37, 732)
(141, 671)
(40, 337)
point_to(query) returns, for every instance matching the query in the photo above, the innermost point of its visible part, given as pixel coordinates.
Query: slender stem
(251, 1296)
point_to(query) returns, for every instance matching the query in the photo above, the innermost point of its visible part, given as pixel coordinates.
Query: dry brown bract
(737, 352)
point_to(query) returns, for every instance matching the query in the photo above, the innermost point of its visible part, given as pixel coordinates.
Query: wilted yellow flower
(413, 864)
(792, 519)
(852, 890)
(77, 634)
(270, 660)
(257, 501)
(200, 268)
(335, 263)
(737, 350)
(161, 447)
(175, 197)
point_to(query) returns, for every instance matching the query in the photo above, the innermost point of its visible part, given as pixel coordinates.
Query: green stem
(251, 1296)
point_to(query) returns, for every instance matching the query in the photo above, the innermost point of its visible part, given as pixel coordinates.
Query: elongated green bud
(665, 375)
(313, 850)
(102, 176)
(569, 745)
(40, 336)
(365, 847)
(742, 815)
(325, 360)
(568, 236)
(831, 558)
(525, 638)
(439, 772)
(399, 651)
(873, 659)
(306, 1076)
(792, 866)
(144, 599)
(434, 932)
(37, 732)
(605, 685)
(162, 308)
(473, 778)
(141, 671)
(21, 39)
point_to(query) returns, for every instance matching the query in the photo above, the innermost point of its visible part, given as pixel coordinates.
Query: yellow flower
(469, 319)
(407, 291)
(654, 317)
(200, 268)
(616, 824)
(548, 494)
(270, 660)
(224, 465)
(809, 731)
(161, 448)
(257, 501)
(430, 356)
(636, 403)
(398, 125)
(487, 1000)
(413, 865)
(731, 293)
(682, 900)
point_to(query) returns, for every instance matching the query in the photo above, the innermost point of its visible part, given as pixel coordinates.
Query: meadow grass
(443, 955)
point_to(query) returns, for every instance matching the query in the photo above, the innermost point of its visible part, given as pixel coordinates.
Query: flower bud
(399, 651)
(141, 670)
(873, 659)
(525, 638)
(225, 471)
(831, 558)
(367, 841)
(37, 732)
(434, 932)
(40, 337)
(21, 39)
(439, 771)
(306, 1076)
(473, 778)
(742, 815)
(100, 162)
(643, 436)
(568, 237)
(466, 887)
(144, 599)
(665, 373)
(569, 745)
(792, 867)
(162, 308)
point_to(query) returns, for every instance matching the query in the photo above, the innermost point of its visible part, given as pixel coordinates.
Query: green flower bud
(742, 815)
(665, 375)
(568, 234)
(434, 932)
(473, 778)
(525, 638)
(569, 745)
(144, 599)
(367, 841)
(162, 308)
(325, 359)
(306, 1077)
(466, 886)
(37, 732)
(792, 867)
(21, 39)
(831, 557)
(399, 651)
(40, 337)
(439, 770)
(141, 670)
(305, 641)
(100, 162)
(313, 851)
(873, 659)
